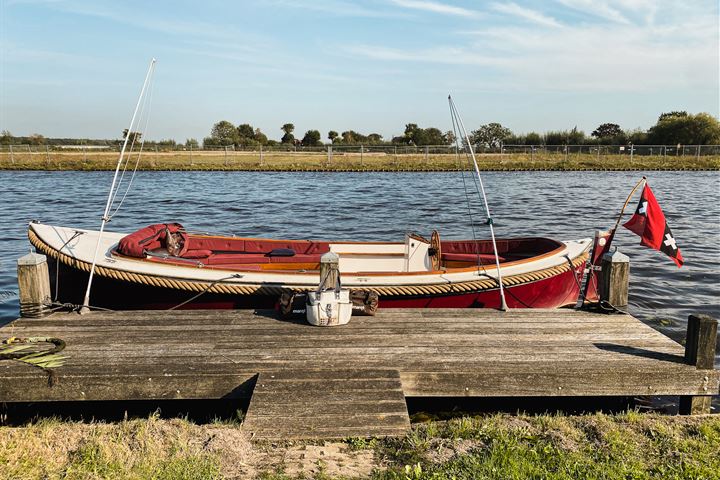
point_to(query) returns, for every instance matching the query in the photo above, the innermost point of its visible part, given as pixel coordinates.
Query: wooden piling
(700, 344)
(33, 285)
(615, 278)
(329, 270)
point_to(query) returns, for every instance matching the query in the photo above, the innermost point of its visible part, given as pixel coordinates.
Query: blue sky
(74, 68)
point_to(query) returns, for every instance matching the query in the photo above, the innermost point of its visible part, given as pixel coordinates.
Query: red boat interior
(169, 243)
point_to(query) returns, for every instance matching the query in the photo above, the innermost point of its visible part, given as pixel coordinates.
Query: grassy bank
(300, 161)
(630, 445)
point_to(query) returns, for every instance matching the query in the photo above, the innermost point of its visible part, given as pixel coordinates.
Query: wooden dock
(314, 382)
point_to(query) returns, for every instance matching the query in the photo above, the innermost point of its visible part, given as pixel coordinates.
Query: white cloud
(441, 55)
(337, 8)
(436, 7)
(525, 13)
(598, 8)
(607, 57)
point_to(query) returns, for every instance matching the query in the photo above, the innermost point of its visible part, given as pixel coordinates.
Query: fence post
(632, 152)
(262, 156)
(396, 159)
(532, 153)
(12, 158)
(191, 157)
(700, 343)
(427, 154)
(698, 152)
(598, 153)
(361, 154)
(329, 154)
(47, 155)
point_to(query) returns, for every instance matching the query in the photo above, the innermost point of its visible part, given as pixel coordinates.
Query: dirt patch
(444, 450)
(331, 458)
(238, 457)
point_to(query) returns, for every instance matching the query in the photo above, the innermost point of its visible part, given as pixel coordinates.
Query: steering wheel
(436, 247)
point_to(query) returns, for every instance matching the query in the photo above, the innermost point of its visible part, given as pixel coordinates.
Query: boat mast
(454, 112)
(105, 218)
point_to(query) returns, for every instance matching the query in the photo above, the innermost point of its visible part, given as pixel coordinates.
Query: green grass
(597, 446)
(287, 161)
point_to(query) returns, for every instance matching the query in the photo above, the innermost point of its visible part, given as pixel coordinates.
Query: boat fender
(364, 302)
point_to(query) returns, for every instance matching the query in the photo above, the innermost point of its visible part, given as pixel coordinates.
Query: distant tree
(673, 114)
(607, 130)
(311, 138)
(374, 138)
(449, 138)
(6, 138)
(36, 139)
(192, 143)
(210, 142)
(576, 137)
(224, 133)
(332, 135)
(167, 143)
(260, 137)
(351, 137)
(246, 134)
(288, 137)
(687, 129)
(533, 138)
(491, 135)
(565, 137)
(636, 137)
(415, 135)
(134, 136)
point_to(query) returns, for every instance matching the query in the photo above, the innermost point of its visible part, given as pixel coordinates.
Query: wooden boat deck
(307, 381)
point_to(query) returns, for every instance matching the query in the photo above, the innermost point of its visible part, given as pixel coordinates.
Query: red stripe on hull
(558, 291)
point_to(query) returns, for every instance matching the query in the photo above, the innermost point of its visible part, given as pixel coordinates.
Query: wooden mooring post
(33, 285)
(615, 279)
(700, 344)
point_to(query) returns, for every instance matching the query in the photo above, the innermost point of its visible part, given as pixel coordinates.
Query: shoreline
(373, 170)
(313, 162)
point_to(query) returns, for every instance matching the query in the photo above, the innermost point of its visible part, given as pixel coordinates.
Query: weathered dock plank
(327, 404)
(359, 373)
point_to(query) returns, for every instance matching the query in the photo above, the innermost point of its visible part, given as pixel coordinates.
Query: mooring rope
(46, 360)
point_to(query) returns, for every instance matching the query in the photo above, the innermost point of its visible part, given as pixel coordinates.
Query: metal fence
(35, 153)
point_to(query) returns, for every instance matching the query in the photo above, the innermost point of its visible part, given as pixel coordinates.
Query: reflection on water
(383, 206)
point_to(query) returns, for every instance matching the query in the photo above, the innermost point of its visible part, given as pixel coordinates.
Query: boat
(165, 266)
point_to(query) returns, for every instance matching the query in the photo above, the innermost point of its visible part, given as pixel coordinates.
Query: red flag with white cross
(649, 222)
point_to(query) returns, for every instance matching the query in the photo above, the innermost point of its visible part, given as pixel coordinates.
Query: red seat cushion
(197, 254)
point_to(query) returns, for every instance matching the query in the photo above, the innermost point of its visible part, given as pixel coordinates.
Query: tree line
(671, 128)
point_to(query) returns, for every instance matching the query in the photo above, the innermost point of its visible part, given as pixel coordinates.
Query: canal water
(383, 206)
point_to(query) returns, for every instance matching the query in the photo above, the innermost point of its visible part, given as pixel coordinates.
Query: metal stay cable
(454, 110)
(108, 205)
(456, 132)
(148, 101)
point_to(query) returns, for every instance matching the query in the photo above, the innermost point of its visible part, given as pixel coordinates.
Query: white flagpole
(86, 302)
(454, 110)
